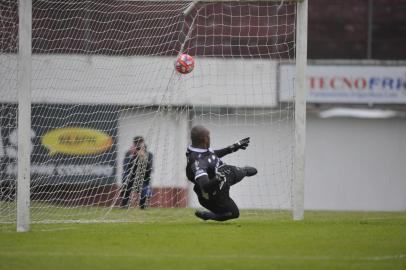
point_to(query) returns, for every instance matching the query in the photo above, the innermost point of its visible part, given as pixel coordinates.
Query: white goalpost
(300, 112)
(79, 80)
(24, 115)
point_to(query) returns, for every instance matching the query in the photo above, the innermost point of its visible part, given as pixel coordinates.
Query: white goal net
(103, 73)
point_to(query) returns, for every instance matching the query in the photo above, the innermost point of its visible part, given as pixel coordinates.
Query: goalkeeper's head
(200, 137)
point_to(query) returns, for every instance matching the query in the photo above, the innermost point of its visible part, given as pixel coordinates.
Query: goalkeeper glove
(242, 144)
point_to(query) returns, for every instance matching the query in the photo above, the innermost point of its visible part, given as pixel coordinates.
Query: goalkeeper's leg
(234, 174)
(229, 210)
(221, 207)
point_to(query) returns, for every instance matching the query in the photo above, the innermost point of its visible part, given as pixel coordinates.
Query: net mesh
(103, 73)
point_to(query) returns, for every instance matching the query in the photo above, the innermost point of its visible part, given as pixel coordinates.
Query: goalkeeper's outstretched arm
(242, 144)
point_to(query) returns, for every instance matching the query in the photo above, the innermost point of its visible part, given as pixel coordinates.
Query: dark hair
(137, 140)
(198, 134)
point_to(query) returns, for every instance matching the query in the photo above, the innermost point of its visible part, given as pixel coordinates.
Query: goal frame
(24, 107)
(24, 114)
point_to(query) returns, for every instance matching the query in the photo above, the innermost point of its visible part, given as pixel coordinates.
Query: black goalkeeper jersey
(201, 162)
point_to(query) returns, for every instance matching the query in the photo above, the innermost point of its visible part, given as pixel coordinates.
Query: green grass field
(266, 240)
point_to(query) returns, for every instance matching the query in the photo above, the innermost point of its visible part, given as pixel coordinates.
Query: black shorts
(219, 202)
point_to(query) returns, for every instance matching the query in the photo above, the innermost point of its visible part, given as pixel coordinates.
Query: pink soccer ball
(185, 64)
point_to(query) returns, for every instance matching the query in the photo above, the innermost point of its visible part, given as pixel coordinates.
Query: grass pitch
(265, 240)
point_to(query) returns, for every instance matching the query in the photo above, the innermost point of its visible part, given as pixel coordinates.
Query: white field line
(13, 230)
(56, 229)
(215, 256)
(383, 218)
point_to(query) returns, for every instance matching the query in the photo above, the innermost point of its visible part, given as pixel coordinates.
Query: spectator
(137, 168)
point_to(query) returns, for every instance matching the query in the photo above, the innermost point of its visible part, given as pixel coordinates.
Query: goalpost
(24, 115)
(81, 79)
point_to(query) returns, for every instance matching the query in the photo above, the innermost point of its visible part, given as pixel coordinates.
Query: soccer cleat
(202, 215)
(250, 171)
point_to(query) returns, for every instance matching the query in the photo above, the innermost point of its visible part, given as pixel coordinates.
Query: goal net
(103, 73)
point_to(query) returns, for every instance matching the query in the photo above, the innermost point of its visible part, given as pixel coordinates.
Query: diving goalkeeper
(212, 178)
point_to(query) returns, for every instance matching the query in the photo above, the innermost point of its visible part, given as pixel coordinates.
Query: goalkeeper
(211, 177)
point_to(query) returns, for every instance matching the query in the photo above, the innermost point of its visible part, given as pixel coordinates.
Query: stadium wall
(352, 164)
(133, 80)
(355, 164)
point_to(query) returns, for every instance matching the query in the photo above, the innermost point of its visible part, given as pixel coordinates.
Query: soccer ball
(184, 64)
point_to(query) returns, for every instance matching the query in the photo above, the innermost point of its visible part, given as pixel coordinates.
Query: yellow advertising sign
(76, 141)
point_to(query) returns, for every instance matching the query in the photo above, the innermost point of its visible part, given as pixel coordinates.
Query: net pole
(300, 111)
(24, 115)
